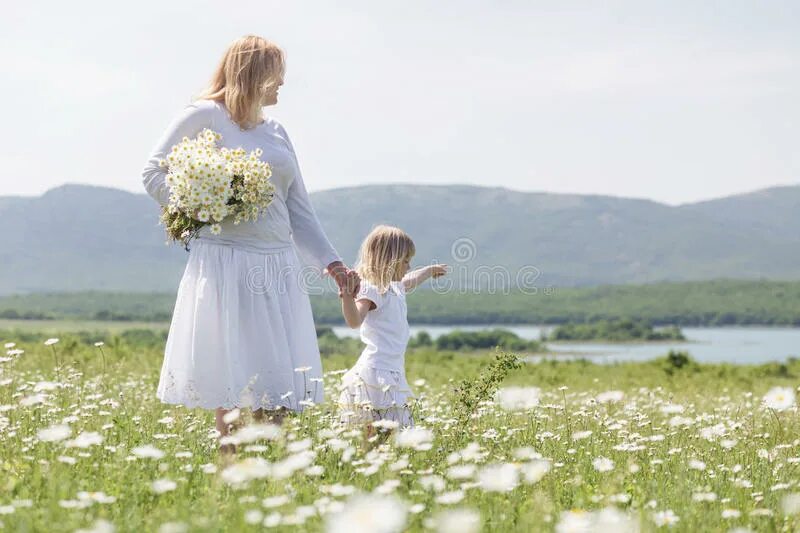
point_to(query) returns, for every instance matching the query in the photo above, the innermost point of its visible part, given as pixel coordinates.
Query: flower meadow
(555, 446)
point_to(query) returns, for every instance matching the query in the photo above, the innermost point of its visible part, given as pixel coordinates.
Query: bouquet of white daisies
(208, 184)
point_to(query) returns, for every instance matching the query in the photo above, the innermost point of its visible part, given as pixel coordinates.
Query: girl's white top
(385, 329)
(289, 218)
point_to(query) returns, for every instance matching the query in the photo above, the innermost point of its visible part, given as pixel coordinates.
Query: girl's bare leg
(270, 416)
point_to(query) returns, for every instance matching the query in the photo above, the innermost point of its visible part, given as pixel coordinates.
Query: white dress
(242, 332)
(376, 387)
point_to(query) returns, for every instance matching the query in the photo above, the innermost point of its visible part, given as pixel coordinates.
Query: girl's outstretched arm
(418, 276)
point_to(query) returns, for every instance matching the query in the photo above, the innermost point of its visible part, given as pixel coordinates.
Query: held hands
(348, 281)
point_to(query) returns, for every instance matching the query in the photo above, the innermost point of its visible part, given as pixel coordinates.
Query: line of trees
(704, 303)
(615, 331)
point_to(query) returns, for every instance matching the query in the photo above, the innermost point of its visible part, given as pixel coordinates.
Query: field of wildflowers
(559, 446)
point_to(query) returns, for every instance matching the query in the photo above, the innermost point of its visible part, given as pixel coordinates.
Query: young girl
(376, 387)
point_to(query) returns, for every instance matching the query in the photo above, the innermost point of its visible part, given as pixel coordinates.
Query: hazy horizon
(675, 102)
(415, 184)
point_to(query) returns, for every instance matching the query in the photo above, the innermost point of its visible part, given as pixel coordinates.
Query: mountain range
(76, 237)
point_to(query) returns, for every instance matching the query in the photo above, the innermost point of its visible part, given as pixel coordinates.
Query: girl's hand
(351, 285)
(439, 270)
(354, 282)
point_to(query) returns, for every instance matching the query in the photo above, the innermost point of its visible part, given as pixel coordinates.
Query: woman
(242, 332)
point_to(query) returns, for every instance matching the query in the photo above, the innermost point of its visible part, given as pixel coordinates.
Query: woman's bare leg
(222, 427)
(375, 437)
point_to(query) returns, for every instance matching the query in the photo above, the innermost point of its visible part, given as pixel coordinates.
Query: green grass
(653, 474)
(69, 325)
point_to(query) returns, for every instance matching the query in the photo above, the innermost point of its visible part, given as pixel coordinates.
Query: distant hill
(77, 237)
(773, 212)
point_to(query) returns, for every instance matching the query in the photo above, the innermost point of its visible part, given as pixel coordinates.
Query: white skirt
(369, 394)
(242, 332)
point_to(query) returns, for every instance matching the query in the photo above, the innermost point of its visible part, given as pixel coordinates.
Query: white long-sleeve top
(289, 218)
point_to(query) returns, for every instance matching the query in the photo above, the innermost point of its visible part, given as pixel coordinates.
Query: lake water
(741, 345)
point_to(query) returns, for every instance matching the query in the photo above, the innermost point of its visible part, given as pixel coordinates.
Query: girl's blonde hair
(381, 254)
(250, 67)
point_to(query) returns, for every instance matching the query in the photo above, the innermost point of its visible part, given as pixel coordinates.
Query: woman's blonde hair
(381, 254)
(250, 67)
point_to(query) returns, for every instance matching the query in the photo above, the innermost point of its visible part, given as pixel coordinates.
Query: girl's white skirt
(370, 394)
(242, 332)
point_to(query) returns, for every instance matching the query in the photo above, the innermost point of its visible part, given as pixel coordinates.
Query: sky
(673, 101)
